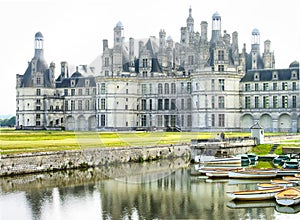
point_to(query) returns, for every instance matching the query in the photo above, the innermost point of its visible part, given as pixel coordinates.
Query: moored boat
(259, 194)
(226, 161)
(278, 160)
(288, 197)
(291, 164)
(240, 204)
(267, 186)
(292, 179)
(253, 157)
(283, 183)
(217, 174)
(254, 174)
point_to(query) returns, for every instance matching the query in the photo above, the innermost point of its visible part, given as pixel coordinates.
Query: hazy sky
(74, 29)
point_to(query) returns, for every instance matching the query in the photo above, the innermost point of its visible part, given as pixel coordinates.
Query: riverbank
(80, 159)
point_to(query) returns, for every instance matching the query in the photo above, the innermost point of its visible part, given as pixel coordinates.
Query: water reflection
(157, 190)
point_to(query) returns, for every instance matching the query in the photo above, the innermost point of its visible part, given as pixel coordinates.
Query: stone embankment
(84, 158)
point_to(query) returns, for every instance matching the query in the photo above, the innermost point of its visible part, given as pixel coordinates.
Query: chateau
(197, 84)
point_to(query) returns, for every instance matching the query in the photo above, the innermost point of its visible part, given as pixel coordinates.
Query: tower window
(221, 55)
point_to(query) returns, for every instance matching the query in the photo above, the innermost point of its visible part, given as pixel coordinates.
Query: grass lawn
(16, 141)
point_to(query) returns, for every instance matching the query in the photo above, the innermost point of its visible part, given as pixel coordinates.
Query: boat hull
(288, 197)
(252, 174)
(250, 195)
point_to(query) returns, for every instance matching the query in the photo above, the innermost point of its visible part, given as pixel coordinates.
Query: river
(153, 190)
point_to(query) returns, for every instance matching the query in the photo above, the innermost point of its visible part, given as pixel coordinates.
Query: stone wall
(92, 157)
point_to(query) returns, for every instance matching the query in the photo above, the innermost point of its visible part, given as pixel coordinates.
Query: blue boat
(279, 160)
(291, 164)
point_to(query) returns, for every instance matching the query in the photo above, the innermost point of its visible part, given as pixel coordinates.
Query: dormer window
(274, 76)
(72, 83)
(294, 75)
(256, 76)
(87, 82)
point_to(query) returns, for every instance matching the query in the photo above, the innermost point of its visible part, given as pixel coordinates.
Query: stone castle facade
(197, 84)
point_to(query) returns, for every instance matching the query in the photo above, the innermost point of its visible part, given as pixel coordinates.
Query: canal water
(154, 190)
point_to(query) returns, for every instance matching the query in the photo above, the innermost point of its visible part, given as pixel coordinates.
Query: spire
(190, 21)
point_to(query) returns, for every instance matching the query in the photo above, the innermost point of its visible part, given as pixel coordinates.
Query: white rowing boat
(261, 194)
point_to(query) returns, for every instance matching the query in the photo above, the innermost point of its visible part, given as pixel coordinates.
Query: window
(103, 107)
(221, 84)
(38, 116)
(213, 122)
(159, 120)
(212, 84)
(284, 86)
(79, 91)
(38, 81)
(103, 121)
(166, 104)
(182, 104)
(160, 89)
(275, 86)
(189, 120)
(182, 87)
(182, 120)
(189, 87)
(173, 88)
(66, 92)
(38, 123)
(275, 101)
(213, 102)
(173, 120)
(38, 101)
(150, 88)
(106, 73)
(150, 104)
(247, 102)
(294, 102)
(144, 120)
(294, 86)
(144, 104)
(103, 89)
(221, 55)
(167, 88)
(72, 105)
(266, 86)
(144, 89)
(38, 91)
(221, 102)
(221, 120)
(221, 68)
(256, 102)
(106, 61)
(284, 101)
(72, 92)
(79, 104)
(38, 108)
(94, 91)
(87, 82)
(87, 91)
(189, 103)
(145, 63)
(256, 87)
(266, 102)
(66, 105)
(87, 104)
(247, 87)
(173, 104)
(160, 104)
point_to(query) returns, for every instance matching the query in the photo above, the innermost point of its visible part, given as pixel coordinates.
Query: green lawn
(13, 141)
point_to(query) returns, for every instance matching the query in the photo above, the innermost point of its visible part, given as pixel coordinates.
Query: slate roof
(267, 74)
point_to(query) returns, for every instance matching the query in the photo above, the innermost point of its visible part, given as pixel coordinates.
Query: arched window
(160, 89)
(167, 91)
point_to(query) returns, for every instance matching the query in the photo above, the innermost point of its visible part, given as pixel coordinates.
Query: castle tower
(255, 48)
(203, 31)
(216, 27)
(268, 56)
(118, 34)
(190, 22)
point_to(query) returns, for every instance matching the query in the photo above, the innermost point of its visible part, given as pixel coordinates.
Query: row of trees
(8, 122)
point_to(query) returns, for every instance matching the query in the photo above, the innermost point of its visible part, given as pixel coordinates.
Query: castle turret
(216, 27)
(268, 56)
(255, 50)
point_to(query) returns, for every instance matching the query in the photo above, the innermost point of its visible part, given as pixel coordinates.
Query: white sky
(74, 29)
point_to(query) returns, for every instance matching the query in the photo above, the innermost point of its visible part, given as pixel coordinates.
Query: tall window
(275, 101)
(166, 104)
(72, 105)
(66, 105)
(144, 89)
(173, 88)
(182, 104)
(294, 86)
(221, 68)
(275, 86)
(160, 104)
(159, 120)
(182, 87)
(212, 84)
(212, 102)
(221, 84)
(248, 102)
(167, 88)
(191, 60)
(256, 102)
(213, 122)
(173, 120)
(72, 92)
(247, 87)
(266, 86)
(284, 86)
(189, 121)
(144, 104)
(87, 91)
(189, 103)
(221, 102)
(160, 89)
(256, 87)
(66, 92)
(38, 81)
(106, 61)
(103, 104)
(284, 101)
(221, 55)
(38, 91)
(103, 88)
(87, 104)
(189, 87)
(182, 120)
(150, 104)
(144, 120)
(79, 104)
(150, 88)
(266, 102)
(173, 104)
(103, 121)
(221, 120)
(145, 63)
(79, 91)
(294, 101)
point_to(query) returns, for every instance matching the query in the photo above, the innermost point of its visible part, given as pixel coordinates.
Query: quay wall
(84, 158)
